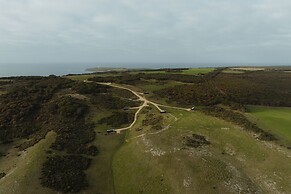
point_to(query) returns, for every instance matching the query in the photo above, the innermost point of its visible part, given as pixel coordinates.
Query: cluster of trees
(118, 119)
(65, 173)
(123, 93)
(90, 88)
(255, 88)
(66, 115)
(20, 106)
(108, 101)
(138, 78)
(127, 78)
(35, 105)
(195, 94)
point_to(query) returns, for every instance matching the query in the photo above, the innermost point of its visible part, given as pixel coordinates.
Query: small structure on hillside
(110, 131)
(193, 108)
(163, 111)
(126, 108)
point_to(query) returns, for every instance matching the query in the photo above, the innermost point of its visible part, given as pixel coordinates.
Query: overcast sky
(196, 31)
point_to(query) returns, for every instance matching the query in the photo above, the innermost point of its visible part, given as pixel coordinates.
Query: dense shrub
(65, 173)
(20, 106)
(118, 119)
(89, 88)
(108, 101)
(195, 94)
(255, 88)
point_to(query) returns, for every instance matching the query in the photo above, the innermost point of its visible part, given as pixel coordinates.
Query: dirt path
(142, 99)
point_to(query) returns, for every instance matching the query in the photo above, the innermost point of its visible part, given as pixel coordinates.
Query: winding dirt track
(141, 98)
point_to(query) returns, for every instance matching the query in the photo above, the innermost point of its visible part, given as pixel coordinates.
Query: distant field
(248, 68)
(191, 71)
(103, 69)
(80, 77)
(277, 120)
(153, 85)
(84, 77)
(195, 71)
(24, 169)
(233, 71)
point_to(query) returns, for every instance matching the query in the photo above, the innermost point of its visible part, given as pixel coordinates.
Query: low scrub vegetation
(196, 141)
(65, 173)
(255, 88)
(118, 119)
(33, 106)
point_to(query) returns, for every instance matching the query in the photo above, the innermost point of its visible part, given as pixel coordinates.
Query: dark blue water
(43, 69)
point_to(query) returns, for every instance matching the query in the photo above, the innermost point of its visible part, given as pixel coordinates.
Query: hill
(147, 131)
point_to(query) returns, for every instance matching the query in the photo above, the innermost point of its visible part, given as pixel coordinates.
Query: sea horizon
(59, 69)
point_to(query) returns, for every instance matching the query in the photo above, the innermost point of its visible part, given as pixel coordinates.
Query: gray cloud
(145, 31)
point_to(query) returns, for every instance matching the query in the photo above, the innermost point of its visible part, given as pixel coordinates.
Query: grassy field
(235, 162)
(153, 85)
(275, 120)
(85, 77)
(195, 71)
(191, 71)
(100, 172)
(24, 169)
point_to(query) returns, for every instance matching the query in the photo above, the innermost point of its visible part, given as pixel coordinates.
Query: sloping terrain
(180, 132)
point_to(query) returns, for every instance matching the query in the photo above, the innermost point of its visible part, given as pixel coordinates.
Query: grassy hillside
(276, 120)
(56, 141)
(233, 162)
(24, 168)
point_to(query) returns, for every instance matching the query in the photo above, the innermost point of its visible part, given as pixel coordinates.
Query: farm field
(196, 71)
(190, 71)
(276, 120)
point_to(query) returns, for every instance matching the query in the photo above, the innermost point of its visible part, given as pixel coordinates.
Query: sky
(188, 31)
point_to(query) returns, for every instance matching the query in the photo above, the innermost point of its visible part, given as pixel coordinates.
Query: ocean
(45, 69)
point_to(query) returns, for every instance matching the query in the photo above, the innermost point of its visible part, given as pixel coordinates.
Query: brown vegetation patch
(196, 141)
(153, 120)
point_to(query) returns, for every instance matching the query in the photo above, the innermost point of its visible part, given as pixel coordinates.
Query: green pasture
(23, 178)
(196, 71)
(232, 71)
(161, 163)
(274, 119)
